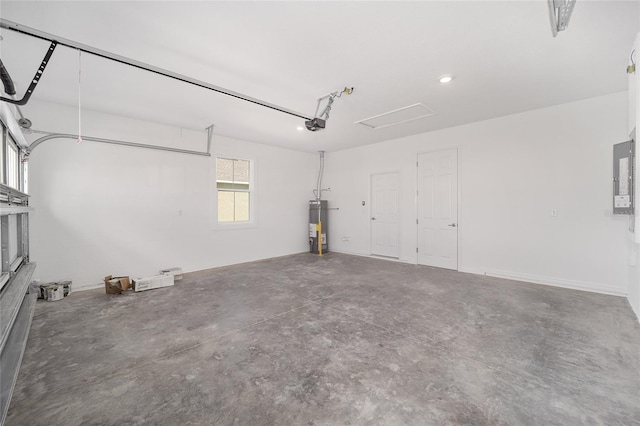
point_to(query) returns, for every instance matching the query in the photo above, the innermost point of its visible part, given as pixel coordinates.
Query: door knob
(452, 225)
(373, 218)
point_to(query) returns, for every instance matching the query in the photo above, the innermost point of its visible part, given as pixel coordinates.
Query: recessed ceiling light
(446, 78)
(299, 128)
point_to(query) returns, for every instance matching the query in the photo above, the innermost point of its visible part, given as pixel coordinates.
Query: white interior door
(438, 209)
(385, 214)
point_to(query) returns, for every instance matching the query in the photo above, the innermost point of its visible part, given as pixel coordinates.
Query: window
(13, 165)
(10, 169)
(25, 177)
(2, 145)
(233, 183)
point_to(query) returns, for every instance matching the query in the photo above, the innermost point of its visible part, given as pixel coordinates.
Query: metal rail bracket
(35, 80)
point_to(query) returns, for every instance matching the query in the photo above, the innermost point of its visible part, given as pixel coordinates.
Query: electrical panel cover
(623, 176)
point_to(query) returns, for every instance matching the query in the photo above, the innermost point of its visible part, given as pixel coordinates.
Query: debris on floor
(149, 283)
(176, 272)
(116, 285)
(51, 291)
(54, 292)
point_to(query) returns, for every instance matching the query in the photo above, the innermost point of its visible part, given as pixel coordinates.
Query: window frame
(12, 153)
(9, 142)
(3, 148)
(252, 191)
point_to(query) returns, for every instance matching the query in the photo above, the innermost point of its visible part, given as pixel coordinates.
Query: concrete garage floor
(336, 340)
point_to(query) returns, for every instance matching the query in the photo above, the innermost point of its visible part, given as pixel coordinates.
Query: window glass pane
(233, 184)
(12, 165)
(2, 163)
(242, 206)
(224, 169)
(25, 171)
(241, 171)
(225, 206)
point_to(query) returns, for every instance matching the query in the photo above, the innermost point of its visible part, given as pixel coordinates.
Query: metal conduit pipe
(49, 136)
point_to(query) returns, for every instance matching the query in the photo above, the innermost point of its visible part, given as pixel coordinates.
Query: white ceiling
(290, 53)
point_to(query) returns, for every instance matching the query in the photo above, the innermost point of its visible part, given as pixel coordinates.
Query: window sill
(233, 226)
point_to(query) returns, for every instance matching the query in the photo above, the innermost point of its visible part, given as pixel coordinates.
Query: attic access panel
(397, 116)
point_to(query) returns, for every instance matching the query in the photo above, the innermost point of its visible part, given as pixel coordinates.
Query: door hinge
(416, 249)
(417, 164)
(416, 221)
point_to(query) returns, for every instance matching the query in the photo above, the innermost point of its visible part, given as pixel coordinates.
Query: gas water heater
(318, 225)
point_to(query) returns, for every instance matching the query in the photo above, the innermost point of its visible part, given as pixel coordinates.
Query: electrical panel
(623, 177)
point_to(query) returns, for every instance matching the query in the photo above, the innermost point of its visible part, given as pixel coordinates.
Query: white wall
(634, 278)
(512, 172)
(103, 209)
(634, 243)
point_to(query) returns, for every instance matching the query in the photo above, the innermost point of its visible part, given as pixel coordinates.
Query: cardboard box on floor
(149, 283)
(41, 289)
(116, 285)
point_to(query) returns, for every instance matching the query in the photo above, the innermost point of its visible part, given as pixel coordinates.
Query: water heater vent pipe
(318, 191)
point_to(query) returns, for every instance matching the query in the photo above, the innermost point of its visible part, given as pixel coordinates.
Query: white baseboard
(517, 276)
(372, 256)
(551, 281)
(87, 287)
(635, 311)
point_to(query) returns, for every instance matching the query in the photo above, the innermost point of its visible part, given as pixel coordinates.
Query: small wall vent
(397, 116)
